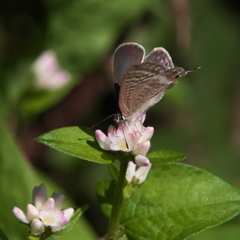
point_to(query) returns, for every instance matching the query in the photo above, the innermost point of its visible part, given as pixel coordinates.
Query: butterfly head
(178, 72)
(118, 118)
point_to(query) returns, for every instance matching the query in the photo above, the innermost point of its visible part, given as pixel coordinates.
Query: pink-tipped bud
(102, 140)
(20, 215)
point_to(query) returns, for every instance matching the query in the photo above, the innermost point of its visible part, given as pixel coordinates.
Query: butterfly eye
(179, 75)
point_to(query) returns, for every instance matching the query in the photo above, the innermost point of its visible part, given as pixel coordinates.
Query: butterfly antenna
(101, 121)
(192, 70)
(136, 127)
(125, 138)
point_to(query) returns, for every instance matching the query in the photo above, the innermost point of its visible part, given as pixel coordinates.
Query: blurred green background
(199, 117)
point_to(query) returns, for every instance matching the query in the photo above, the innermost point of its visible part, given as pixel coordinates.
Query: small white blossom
(128, 137)
(47, 72)
(45, 212)
(131, 169)
(138, 175)
(37, 227)
(54, 218)
(20, 215)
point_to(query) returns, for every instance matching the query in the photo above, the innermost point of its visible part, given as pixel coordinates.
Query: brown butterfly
(141, 82)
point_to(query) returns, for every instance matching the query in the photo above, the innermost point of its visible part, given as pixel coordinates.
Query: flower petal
(130, 171)
(103, 140)
(32, 212)
(63, 222)
(39, 195)
(141, 161)
(120, 145)
(139, 122)
(146, 134)
(142, 148)
(48, 204)
(68, 212)
(112, 132)
(142, 172)
(132, 139)
(37, 227)
(20, 214)
(59, 198)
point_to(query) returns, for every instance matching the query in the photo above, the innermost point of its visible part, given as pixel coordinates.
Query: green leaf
(77, 214)
(113, 170)
(17, 179)
(105, 191)
(227, 231)
(175, 202)
(2, 235)
(77, 142)
(165, 156)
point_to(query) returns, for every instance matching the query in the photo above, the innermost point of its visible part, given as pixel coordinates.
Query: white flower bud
(20, 215)
(130, 171)
(37, 227)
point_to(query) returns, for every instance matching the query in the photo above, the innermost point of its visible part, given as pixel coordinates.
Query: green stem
(118, 203)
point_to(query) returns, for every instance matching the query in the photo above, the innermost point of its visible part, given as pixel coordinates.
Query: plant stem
(118, 202)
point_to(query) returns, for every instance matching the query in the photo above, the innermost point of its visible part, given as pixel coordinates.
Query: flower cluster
(45, 212)
(48, 73)
(138, 176)
(130, 137)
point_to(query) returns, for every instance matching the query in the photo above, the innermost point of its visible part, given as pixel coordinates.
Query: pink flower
(47, 72)
(137, 173)
(45, 212)
(54, 217)
(128, 137)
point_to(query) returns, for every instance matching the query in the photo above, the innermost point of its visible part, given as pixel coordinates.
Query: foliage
(199, 116)
(181, 200)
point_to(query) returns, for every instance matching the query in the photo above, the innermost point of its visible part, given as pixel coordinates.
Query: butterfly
(139, 81)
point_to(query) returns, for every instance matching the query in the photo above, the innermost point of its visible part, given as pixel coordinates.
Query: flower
(128, 137)
(47, 72)
(45, 212)
(139, 175)
(37, 227)
(54, 217)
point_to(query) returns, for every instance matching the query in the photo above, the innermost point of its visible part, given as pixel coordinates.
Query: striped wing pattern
(143, 86)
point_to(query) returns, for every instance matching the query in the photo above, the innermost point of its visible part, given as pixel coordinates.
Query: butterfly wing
(156, 62)
(125, 56)
(143, 86)
(152, 92)
(135, 78)
(160, 56)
